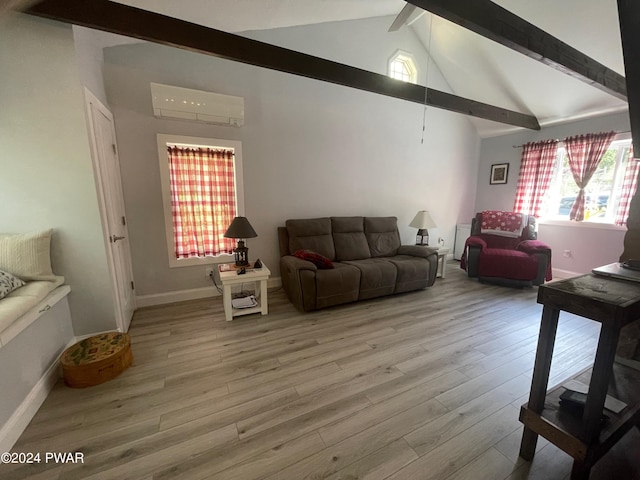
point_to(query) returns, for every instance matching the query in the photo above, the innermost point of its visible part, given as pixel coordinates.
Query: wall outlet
(567, 254)
(210, 271)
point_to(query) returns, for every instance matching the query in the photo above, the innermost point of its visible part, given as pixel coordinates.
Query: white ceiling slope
(473, 66)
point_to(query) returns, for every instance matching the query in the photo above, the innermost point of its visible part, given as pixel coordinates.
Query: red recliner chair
(503, 249)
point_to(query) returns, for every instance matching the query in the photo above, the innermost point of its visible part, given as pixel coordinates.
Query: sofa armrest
(417, 251)
(295, 263)
(298, 280)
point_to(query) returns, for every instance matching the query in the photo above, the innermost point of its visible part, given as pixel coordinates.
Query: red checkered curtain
(536, 169)
(203, 200)
(629, 188)
(585, 153)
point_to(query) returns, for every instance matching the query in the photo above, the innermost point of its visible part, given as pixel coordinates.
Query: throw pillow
(9, 283)
(318, 260)
(27, 255)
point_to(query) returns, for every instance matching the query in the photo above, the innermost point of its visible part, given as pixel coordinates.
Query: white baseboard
(184, 295)
(17, 423)
(559, 274)
(79, 338)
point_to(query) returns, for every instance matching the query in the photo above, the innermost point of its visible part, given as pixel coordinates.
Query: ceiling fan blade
(402, 17)
(415, 18)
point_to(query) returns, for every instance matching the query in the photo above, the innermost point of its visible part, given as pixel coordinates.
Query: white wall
(590, 246)
(47, 176)
(309, 148)
(89, 59)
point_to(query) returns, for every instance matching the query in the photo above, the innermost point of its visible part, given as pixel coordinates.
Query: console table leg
(580, 470)
(542, 366)
(528, 444)
(602, 367)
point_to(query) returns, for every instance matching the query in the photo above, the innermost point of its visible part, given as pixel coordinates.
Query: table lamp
(422, 221)
(240, 228)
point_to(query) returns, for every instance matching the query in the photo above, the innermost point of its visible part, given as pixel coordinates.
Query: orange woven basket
(96, 359)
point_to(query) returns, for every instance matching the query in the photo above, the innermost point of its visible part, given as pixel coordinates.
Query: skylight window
(402, 67)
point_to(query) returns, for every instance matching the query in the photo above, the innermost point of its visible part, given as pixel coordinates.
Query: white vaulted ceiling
(474, 67)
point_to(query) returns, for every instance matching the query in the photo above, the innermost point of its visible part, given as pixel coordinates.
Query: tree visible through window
(602, 192)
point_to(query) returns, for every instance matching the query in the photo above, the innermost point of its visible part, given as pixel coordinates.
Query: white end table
(441, 267)
(259, 277)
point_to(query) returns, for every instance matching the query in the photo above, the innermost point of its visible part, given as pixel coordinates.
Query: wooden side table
(613, 303)
(259, 277)
(441, 268)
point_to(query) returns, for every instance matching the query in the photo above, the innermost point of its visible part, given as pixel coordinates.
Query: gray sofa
(368, 261)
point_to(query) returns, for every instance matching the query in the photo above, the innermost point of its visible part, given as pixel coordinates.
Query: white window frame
(553, 200)
(408, 60)
(163, 157)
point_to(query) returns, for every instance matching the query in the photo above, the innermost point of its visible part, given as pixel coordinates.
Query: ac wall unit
(197, 105)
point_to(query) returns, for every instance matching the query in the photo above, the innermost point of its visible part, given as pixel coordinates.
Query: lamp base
(421, 236)
(241, 254)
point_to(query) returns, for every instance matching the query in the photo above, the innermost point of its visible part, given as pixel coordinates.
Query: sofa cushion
(311, 234)
(315, 258)
(413, 272)
(338, 285)
(382, 235)
(348, 238)
(377, 277)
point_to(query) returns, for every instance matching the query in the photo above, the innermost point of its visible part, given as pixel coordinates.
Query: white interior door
(111, 200)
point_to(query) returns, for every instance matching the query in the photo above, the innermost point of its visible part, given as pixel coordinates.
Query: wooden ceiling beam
(629, 14)
(500, 25)
(145, 25)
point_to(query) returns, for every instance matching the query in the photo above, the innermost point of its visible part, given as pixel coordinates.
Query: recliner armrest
(543, 252)
(533, 246)
(476, 241)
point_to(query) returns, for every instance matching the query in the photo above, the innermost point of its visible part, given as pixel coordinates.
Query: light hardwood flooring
(424, 385)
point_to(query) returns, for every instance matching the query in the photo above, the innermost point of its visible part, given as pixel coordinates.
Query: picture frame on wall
(499, 173)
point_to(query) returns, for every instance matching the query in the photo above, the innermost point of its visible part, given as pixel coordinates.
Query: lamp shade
(422, 220)
(240, 228)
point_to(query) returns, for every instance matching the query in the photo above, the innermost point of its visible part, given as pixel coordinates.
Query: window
(202, 193)
(402, 67)
(602, 194)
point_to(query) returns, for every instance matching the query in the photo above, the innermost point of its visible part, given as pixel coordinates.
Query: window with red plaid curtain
(629, 187)
(536, 169)
(585, 153)
(203, 200)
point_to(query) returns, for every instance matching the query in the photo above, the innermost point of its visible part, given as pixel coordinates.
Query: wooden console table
(613, 303)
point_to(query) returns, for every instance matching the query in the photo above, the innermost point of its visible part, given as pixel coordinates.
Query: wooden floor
(424, 385)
